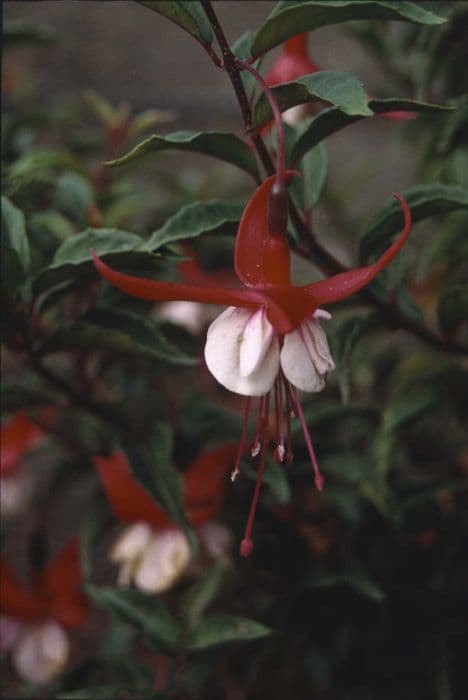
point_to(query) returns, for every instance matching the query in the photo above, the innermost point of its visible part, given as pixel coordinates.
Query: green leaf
(119, 332)
(151, 465)
(15, 32)
(289, 18)
(219, 144)
(341, 89)
(410, 407)
(306, 190)
(73, 260)
(147, 613)
(201, 594)
(215, 216)
(354, 576)
(453, 308)
(423, 200)
(189, 16)
(217, 629)
(346, 335)
(40, 167)
(73, 196)
(329, 121)
(14, 247)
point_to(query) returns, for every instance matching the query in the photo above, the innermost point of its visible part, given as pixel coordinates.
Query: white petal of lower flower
(163, 562)
(131, 543)
(231, 336)
(41, 653)
(305, 357)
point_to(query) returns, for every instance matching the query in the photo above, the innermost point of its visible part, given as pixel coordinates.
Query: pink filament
(236, 471)
(319, 480)
(246, 545)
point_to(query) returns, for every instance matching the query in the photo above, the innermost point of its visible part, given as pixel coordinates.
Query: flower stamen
(246, 546)
(319, 479)
(236, 471)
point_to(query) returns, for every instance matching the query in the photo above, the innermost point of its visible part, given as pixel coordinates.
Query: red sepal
(172, 291)
(347, 283)
(261, 259)
(18, 436)
(129, 501)
(55, 592)
(205, 483)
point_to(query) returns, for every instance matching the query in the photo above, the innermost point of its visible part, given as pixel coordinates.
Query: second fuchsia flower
(152, 553)
(269, 342)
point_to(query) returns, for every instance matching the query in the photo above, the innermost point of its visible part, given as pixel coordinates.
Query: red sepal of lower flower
(204, 488)
(55, 592)
(18, 436)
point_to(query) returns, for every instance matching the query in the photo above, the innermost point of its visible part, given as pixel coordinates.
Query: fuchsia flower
(294, 62)
(18, 436)
(34, 620)
(268, 343)
(153, 552)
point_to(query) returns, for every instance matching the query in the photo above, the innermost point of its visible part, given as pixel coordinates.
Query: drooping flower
(34, 620)
(294, 62)
(268, 343)
(18, 436)
(153, 552)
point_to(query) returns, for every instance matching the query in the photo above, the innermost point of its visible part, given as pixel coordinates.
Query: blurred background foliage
(355, 593)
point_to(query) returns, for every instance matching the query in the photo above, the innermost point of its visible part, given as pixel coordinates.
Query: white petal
(131, 543)
(305, 357)
(163, 562)
(256, 340)
(240, 333)
(41, 653)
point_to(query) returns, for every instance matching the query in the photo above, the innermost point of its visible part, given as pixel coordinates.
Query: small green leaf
(189, 16)
(453, 308)
(215, 216)
(147, 613)
(119, 332)
(423, 200)
(346, 335)
(218, 144)
(39, 168)
(354, 577)
(308, 188)
(329, 121)
(73, 196)
(341, 89)
(217, 629)
(151, 465)
(14, 247)
(289, 18)
(242, 48)
(201, 594)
